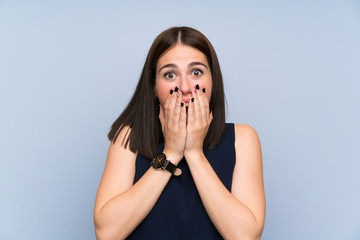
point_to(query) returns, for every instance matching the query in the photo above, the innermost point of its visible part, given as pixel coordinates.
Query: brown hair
(141, 114)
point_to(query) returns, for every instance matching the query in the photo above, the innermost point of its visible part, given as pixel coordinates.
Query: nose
(185, 86)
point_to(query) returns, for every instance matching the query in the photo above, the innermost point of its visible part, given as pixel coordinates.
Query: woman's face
(182, 66)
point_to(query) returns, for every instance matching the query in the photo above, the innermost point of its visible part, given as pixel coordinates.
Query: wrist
(193, 154)
(173, 157)
(161, 161)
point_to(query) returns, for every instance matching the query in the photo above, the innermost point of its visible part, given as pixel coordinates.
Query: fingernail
(171, 91)
(182, 104)
(176, 89)
(192, 99)
(203, 90)
(197, 87)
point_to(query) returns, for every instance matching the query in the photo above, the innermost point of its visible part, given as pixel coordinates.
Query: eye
(197, 72)
(169, 75)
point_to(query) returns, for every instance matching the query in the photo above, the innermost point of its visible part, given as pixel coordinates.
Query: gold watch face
(158, 161)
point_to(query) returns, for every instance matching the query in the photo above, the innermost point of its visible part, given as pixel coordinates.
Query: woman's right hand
(173, 124)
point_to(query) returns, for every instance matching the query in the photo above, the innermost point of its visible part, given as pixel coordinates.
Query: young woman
(175, 169)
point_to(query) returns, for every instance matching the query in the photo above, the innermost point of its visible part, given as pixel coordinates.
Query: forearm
(231, 217)
(117, 218)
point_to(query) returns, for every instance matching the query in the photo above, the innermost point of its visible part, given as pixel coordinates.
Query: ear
(154, 90)
(155, 94)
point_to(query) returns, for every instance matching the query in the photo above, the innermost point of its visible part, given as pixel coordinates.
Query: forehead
(181, 55)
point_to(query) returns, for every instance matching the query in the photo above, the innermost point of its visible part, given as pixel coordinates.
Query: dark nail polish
(203, 90)
(197, 87)
(171, 91)
(182, 104)
(176, 89)
(192, 99)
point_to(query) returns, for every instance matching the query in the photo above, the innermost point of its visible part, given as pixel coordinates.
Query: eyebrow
(168, 65)
(189, 65)
(197, 63)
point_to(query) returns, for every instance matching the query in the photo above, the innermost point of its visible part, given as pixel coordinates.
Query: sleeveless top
(179, 212)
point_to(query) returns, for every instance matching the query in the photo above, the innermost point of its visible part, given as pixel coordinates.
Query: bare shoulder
(119, 144)
(120, 157)
(246, 134)
(247, 147)
(119, 170)
(247, 141)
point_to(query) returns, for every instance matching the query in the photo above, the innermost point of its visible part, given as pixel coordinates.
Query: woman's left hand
(199, 120)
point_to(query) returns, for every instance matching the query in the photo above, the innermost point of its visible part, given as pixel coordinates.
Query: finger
(204, 104)
(190, 113)
(182, 118)
(169, 107)
(197, 108)
(177, 108)
(161, 117)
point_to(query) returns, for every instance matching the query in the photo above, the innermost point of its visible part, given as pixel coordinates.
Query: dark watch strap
(160, 161)
(172, 168)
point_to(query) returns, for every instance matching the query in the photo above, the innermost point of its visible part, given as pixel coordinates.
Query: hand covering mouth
(186, 101)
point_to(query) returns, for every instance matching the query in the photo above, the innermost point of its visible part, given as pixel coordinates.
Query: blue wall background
(68, 68)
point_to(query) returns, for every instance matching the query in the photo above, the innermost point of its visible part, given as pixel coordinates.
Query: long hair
(141, 114)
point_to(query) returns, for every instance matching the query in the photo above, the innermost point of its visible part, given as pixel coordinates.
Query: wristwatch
(160, 161)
